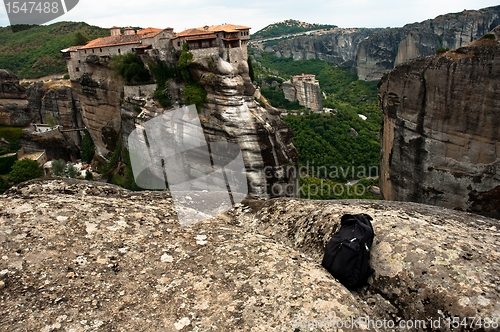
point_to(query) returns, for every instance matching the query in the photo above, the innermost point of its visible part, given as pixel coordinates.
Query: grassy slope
(35, 52)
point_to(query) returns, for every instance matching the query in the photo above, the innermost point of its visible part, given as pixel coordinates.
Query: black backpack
(347, 254)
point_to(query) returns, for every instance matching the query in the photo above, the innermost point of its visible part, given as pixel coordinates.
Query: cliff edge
(79, 256)
(440, 142)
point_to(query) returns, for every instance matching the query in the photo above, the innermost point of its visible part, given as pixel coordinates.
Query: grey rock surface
(79, 256)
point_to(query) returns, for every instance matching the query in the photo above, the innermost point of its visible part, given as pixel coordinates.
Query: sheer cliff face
(99, 92)
(232, 113)
(14, 110)
(441, 136)
(374, 52)
(337, 46)
(381, 52)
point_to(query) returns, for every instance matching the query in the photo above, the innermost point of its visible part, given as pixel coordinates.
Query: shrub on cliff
(131, 68)
(24, 170)
(58, 167)
(442, 50)
(162, 73)
(194, 93)
(184, 61)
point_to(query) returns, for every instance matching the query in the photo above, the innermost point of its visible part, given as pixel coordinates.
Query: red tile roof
(149, 32)
(227, 28)
(121, 39)
(211, 29)
(113, 41)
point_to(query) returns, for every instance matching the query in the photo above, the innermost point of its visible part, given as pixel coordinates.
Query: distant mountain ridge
(288, 27)
(374, 52)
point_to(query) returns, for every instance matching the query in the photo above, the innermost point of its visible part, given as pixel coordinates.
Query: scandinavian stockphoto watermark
(36, 12)
(204, 178)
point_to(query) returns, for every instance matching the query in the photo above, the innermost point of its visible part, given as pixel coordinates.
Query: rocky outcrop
(336, 45)
(440, 141)
(306, 90)
(431, 264)
(106, 258)
(100, 93)
(14, 110)
(233, 114)
(382, 51)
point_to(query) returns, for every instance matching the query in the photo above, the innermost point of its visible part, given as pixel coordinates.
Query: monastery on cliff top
(200, 41)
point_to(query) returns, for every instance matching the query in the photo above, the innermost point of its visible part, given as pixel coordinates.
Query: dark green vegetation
(11, 135)
(58, 167)
(6, 163)
(87, 147)
(194, 93)
(316, 188)
(333, 146)
(442, 50)
(35, 52)
(288, 27)
(118, 170)
(24, 170)
(131, 68)
(162, 74)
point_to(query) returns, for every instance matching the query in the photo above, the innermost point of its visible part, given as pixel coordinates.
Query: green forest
(337, 145)
(35, 52)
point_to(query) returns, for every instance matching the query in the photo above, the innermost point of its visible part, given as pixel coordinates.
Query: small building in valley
(38, 155)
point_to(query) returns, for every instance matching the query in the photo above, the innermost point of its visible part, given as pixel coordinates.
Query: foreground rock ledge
(80, 256)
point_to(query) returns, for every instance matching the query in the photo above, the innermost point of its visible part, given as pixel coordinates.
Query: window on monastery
(100, 50)
(119, 51)
(77, 68)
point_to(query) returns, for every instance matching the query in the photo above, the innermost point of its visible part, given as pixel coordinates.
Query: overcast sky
(183, 14)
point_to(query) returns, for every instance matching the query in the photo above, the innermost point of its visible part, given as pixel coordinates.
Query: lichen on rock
(78, 255)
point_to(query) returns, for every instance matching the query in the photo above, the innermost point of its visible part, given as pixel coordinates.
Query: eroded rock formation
(14, 109)
(374, 52)
(382, 51)
(338, 45)
(80, 255)
(100, 93)
(233, 113)
(441, 136)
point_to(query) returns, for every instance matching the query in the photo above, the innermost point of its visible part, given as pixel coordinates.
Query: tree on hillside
(24, 170)
(80, 39)
(88, 148)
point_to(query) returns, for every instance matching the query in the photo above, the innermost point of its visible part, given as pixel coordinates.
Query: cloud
(258, 14)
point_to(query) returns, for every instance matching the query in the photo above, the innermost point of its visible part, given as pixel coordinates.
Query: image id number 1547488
(30, 7)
